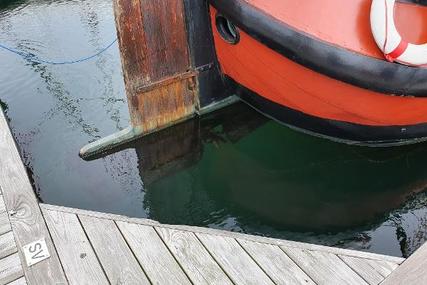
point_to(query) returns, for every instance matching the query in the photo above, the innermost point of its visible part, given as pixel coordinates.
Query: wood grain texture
(4, 223)
(160, 86)
(323, 268)
(412, 271)
(199, 265)
(77, 256)
(10, 269)
(99, 215)
(223, 233)
(158, 263)
(238, 265)
(280, 268)
(20, 281)
(368, 271)
(152, 40)
(2, 205)
(27, 222)
(115, 256)
(7, 244)
(383, 267)
(160, 107)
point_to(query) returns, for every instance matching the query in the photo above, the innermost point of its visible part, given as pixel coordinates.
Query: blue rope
(34, 58)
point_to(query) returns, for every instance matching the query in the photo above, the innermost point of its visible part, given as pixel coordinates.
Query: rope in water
(34, 58)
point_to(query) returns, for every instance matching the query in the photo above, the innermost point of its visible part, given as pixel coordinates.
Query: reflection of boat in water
(235, 164)
(315, 65)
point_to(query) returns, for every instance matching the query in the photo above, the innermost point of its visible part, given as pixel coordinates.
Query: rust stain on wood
(160, 86)
(175, 102)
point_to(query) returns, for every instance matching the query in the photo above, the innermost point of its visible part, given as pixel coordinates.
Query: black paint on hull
(350, 133)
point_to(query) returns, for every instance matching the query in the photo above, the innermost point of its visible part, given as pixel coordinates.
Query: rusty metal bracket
(167, 81)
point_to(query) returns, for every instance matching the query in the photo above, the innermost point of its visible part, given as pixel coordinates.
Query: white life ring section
(388, 38)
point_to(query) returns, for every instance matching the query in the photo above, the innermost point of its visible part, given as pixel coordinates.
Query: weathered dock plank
(152, 254)
(25, 216)
(169, 254)
(193, 257)
(383, 267)
(372, 271)
(2, 204)
(20, 281)
(279, 242)
(114, 254)
(280, 268)
(241, 268)
(412, 271)
(77, 256)
(322, 267)
(4, 223)
(10, 269)
(7, 244)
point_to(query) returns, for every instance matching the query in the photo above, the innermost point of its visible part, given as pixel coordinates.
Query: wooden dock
(46, 244)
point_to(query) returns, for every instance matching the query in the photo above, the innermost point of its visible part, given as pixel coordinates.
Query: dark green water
(232, 170)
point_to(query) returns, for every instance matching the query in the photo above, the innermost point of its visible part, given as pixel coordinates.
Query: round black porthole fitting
(227, 30)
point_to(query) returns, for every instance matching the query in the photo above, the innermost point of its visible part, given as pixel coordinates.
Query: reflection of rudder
(174, 149)
(169, 150)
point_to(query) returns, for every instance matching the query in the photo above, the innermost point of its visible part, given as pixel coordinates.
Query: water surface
(233, 170)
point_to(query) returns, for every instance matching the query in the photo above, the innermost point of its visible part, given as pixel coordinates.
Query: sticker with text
(35, 252)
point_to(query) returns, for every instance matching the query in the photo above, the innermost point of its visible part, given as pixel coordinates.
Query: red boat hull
(314, 101)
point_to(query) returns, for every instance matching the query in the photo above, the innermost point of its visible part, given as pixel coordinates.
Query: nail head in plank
(364, 268)
(322, 267)
(77, 256)
(153, 255)
(193, 257)
(115, 256)
(20, 281)
(10, 269)
(280, 268)
(7, 244)
(241, 268)
(27, 223)
(412, 271)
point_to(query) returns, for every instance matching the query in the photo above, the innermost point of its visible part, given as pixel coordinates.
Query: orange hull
(280, 80)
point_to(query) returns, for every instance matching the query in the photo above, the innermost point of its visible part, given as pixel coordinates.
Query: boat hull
(313, 97)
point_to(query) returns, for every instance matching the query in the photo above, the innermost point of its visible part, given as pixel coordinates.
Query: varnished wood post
(159, 80)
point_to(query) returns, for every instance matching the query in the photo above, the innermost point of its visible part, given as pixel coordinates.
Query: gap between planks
(266, 240)
(250, 266)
